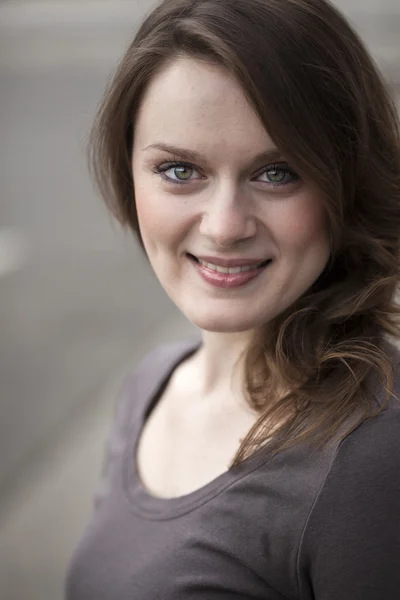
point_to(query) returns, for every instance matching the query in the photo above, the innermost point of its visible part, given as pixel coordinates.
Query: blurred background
(78, 303)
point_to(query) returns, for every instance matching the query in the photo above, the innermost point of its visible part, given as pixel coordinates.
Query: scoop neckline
(141, 500)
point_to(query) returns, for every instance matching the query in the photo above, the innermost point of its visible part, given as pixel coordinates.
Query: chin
(223, 323)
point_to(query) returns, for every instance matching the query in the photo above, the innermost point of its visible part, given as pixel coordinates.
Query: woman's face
(211, 185)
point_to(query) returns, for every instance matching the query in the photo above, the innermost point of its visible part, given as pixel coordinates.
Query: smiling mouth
(228, 270)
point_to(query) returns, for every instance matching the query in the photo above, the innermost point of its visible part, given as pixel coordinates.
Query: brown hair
(325, 105)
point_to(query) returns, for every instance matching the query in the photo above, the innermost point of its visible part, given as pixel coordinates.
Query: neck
(220, 363)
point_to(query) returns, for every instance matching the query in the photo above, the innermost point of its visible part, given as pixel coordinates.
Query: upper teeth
(225, 269)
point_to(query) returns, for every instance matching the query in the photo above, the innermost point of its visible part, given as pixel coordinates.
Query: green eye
(276, 175)
(183, 173)
(176, 172)
(279, 175)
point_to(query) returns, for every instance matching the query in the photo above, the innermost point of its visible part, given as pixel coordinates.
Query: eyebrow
(268, 155)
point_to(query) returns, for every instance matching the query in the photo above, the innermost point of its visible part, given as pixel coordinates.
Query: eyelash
(164, 167)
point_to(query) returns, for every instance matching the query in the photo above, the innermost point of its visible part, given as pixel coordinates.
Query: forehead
(200, 106)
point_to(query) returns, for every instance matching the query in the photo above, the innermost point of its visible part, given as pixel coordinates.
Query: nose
(228, 218)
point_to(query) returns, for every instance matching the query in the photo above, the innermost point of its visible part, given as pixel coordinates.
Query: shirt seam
(378, 397)
(315, 502)
(307, 520)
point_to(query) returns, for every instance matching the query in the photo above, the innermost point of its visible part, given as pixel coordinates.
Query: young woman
(254, 150)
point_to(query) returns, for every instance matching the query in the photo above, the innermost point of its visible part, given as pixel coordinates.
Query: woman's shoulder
(375, 443)
(353, 530)
(374, 446)
(392, 404)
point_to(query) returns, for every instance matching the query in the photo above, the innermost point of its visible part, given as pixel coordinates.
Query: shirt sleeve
(351, 544)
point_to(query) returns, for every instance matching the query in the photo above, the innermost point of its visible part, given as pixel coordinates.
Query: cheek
(151, 212)
(161, 219)
(301, 224)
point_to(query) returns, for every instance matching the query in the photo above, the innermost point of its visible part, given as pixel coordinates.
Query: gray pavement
(78, 302)
(82, 297)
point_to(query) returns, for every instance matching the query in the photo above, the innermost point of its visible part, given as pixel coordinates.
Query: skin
(226, 200)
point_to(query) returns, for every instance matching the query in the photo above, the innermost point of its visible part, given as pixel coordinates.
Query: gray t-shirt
(304, 525)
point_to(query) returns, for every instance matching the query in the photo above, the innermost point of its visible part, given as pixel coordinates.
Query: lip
(230, 262)
(226, 280)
